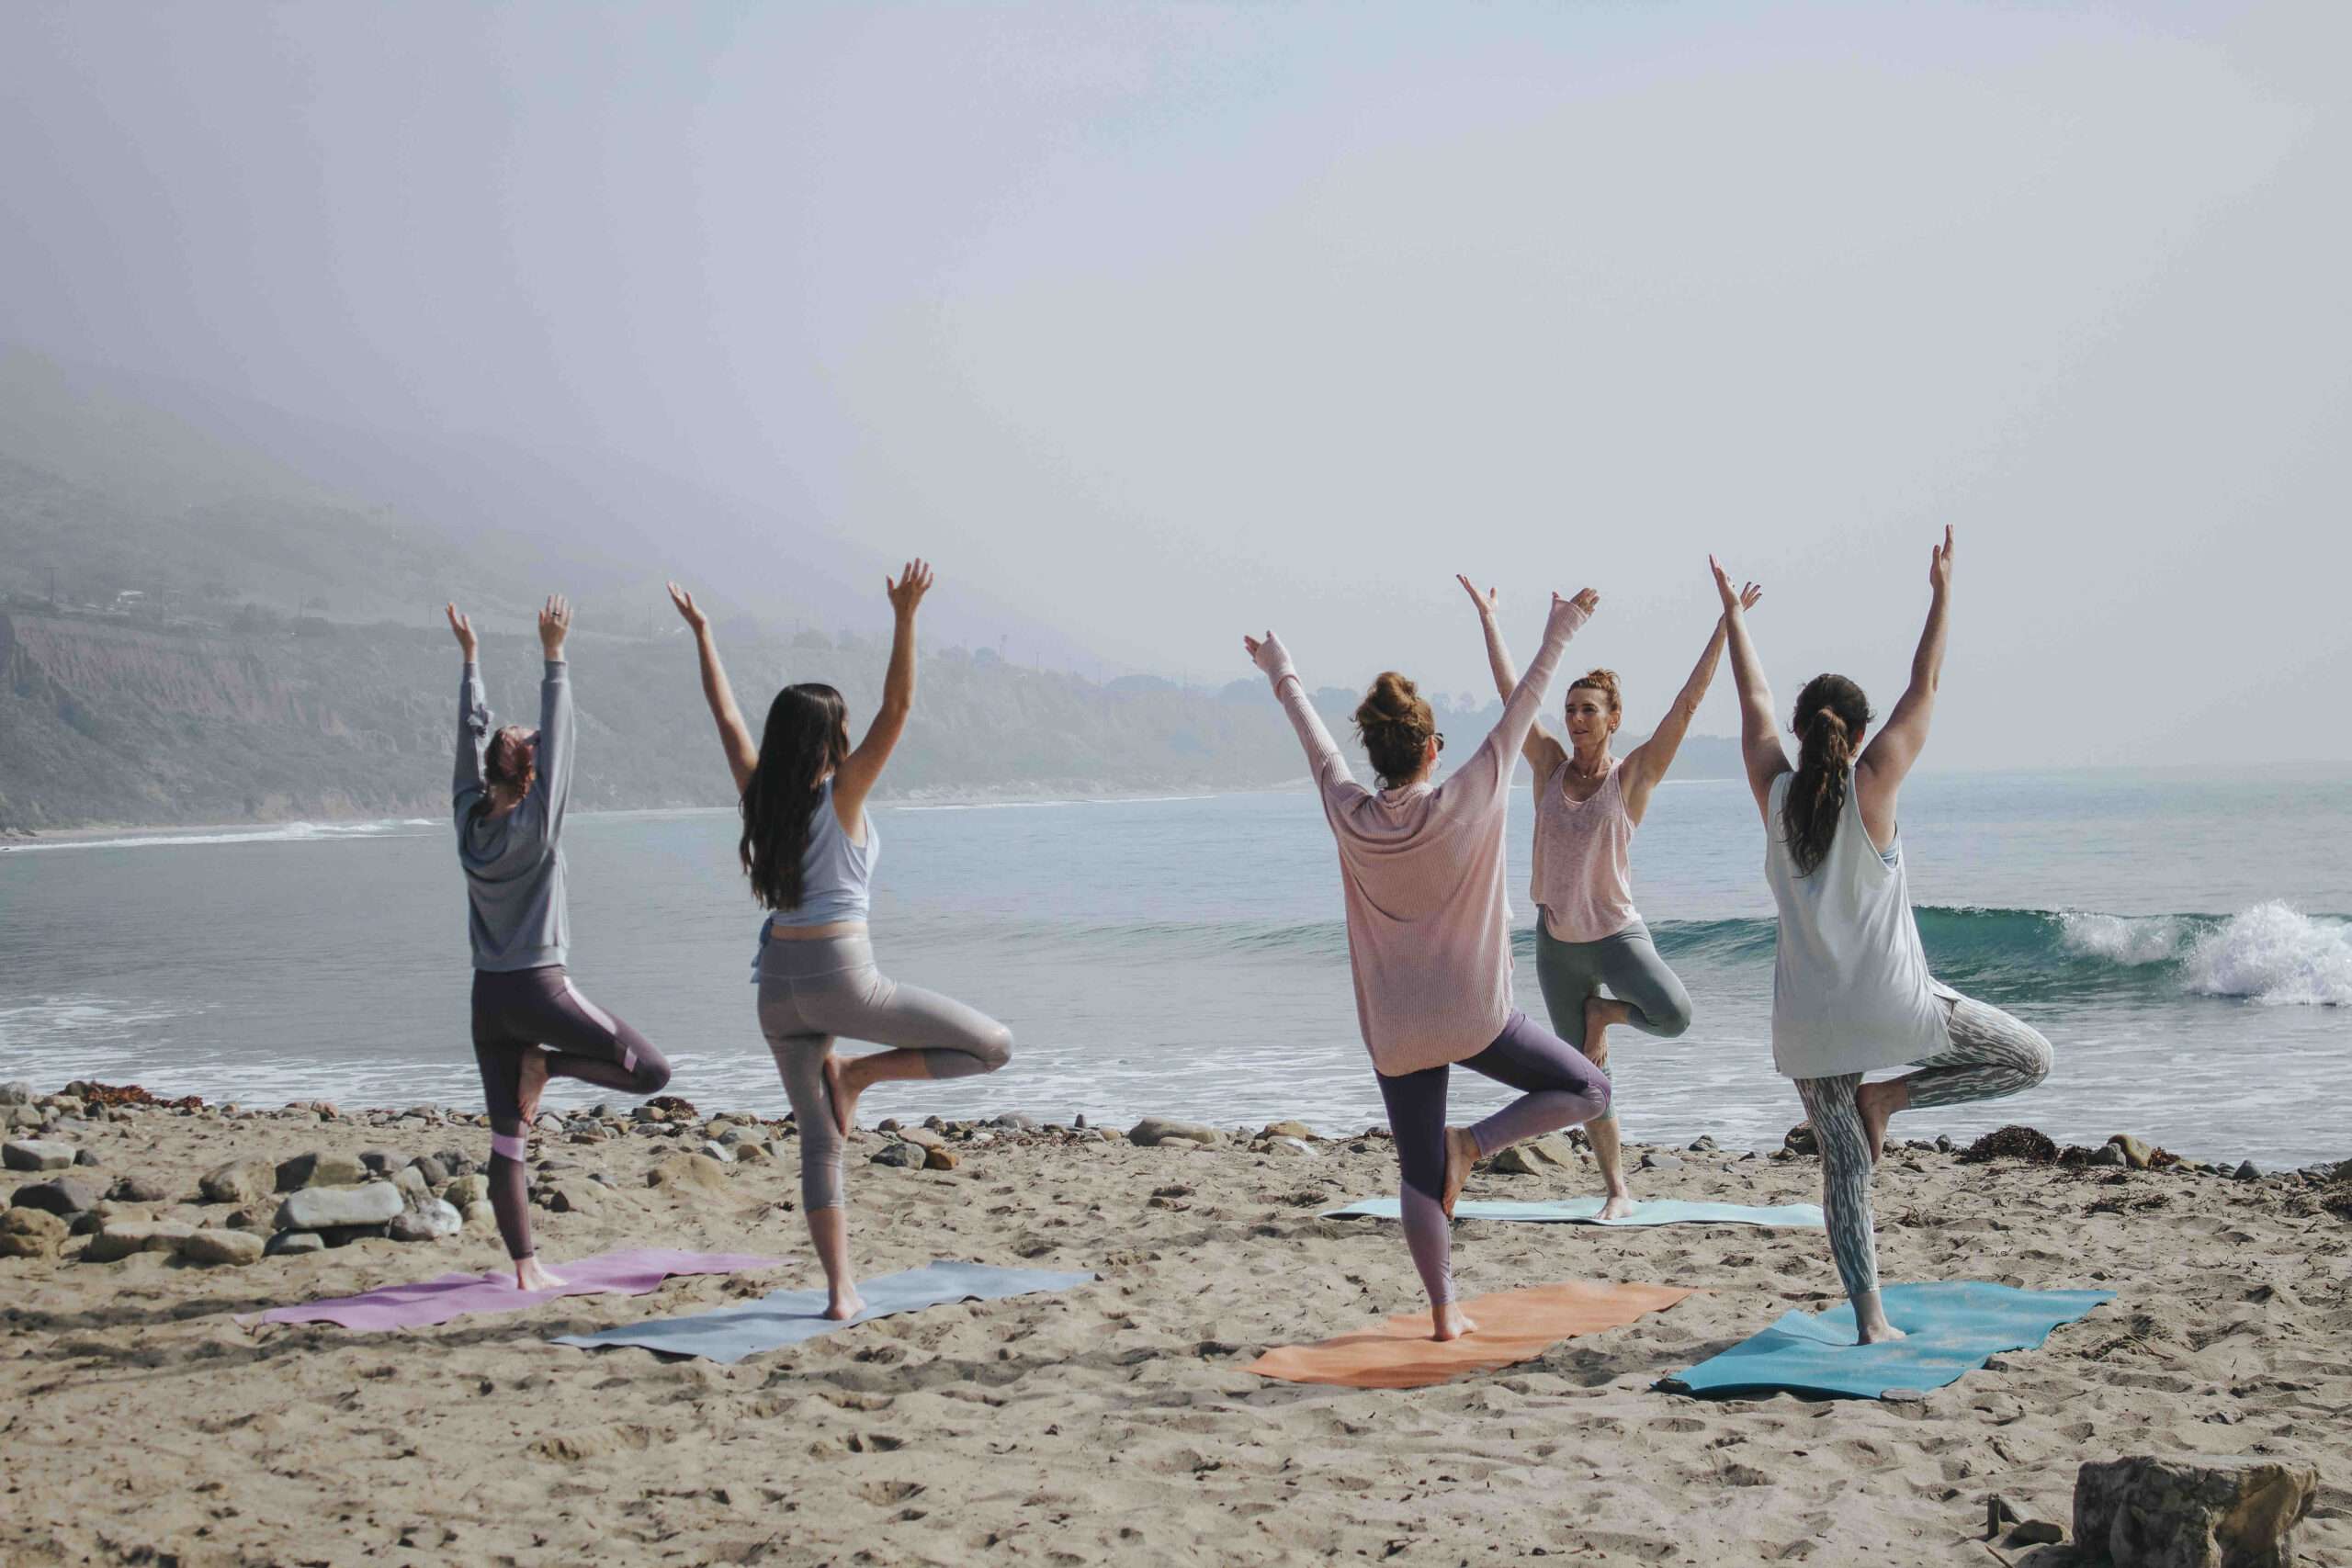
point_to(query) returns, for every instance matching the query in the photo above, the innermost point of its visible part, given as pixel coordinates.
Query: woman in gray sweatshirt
(508, 800)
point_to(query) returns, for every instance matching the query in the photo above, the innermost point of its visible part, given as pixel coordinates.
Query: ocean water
(2185, 942)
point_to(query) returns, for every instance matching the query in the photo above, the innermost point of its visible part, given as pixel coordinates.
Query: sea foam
(2276, 955)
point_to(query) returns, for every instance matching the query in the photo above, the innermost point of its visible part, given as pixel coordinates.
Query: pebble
(239, 1181)
(939, 1159)
(466, 1189)
(718, 1151)
(1291, 1146)
(414, 1189)
(904, 1156)
(1703, 1143)
(430, 1223)
(16, 1092)
(320, 1208)
(1153, 1131)
(2108, 1154)
(1660, 1162)
(319, 1169)
(379, 1162)
(36, 1154)
(1286, 1130)
(2136, 1151)
(85, 1156)
(480, 1216)
(2247, 1172)
(215, 1247)
(921, 1136)
(1013, 1120)
(430, 1166)
(292, 1244)
(139, 1189)
(118, 1239)
(65, 1195)
(753, 1154)
(30, 1233)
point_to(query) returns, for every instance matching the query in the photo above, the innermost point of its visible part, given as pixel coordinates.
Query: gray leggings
(811, 992)
(1628, 964)
(1992, 1054)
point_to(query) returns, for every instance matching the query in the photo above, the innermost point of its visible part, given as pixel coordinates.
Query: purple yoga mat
(454, 1296)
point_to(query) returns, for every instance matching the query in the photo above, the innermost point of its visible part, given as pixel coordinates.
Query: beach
(1115, 1422)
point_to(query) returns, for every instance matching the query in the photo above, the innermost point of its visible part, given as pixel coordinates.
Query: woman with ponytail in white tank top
(1588, 936)
(1850, 987)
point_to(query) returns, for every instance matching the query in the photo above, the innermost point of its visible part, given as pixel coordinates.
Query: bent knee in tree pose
(1594, 958)
(1851, 991)
(508, 797)
(808, 847)
(1429, 936)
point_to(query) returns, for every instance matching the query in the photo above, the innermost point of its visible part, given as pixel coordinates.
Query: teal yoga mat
(1587, 1211)
(1951, 1329)
(787, 1317)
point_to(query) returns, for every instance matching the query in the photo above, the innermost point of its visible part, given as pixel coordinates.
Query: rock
(688, 1173)
(2136, 1152)
(1801, 1141)
(923, 1137)
(1944, 1144)
(1078, 1121)
(2248, 1171)
(1660, 1162)
(239, 1181)
(84, 1157)
(575, 1198)
(1298, 1130)
(1013, 1120)
(2013, 1142)
(430, 1223)
(379, 1162)
(2208, 1512)
(465, 1190)
(712, 1148)
(2106, 1155)
(1703, 1143)
(65, 1195)
(36, 1154)
(1153, 1131)
(1999, 1515)
(343, 1235)
(324, 1208)
(430, 1166)
(904, 1156)
(252, 1219)
(480, 1216)
(2037, 1532)
(939, 1159)
(753, 1154)
(30, 1233)
(319, 1169)
(16, 1092)
(1290, 1147)
(456, 1163)
(291, 1244)
(215, 1247)
(735, 1137)
(139, 1189)
(1519, 1159)
(414, 1189)
(118, 1239)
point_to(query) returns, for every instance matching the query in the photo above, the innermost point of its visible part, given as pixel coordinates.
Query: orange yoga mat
(1513, 1326)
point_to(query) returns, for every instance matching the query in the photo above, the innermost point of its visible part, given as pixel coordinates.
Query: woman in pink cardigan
(1429, 937)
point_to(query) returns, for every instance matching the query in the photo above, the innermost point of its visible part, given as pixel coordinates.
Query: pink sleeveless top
(1583, 882)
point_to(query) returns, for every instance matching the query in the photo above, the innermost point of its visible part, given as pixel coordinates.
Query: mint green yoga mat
(1950, 1328)
(1587, 1211)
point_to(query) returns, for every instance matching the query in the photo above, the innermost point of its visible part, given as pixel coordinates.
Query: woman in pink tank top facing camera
(1588, 936)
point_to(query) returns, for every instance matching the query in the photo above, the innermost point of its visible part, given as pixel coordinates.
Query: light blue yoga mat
(1950, 1329)
(787, 1317)
(1587, 1211)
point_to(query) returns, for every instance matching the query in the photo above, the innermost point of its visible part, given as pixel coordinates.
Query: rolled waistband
(818, 956)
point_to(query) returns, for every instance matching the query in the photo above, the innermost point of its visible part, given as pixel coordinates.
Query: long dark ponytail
(1831, 714)
(807, 737)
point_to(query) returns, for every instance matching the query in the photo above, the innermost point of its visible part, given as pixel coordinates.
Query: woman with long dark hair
(508, 800)
(809, 848)
(1589, 804)
(1429, 937)
(1850, 987)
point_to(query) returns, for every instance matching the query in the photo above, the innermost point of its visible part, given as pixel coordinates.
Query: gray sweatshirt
(514, 863)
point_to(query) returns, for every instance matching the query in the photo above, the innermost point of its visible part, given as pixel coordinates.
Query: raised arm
(857, 774)
(556, 730)
(734, 735)
(1324, 759)
(1648, 763)
(1760, 742)
(473, 714)
(1542, 749)
(1489, 770)
(1900, 739)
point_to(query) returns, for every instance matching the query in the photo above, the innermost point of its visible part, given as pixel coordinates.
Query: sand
(1113, 1423)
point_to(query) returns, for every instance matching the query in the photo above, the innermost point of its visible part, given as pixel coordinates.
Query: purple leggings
(526, 1009)
(1560, 1089)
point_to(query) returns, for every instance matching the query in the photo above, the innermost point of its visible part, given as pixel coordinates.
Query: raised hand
(1488, 602)
(464, 629)
(1940, 564)
(1586, 600)
(914, 580)
(555, 623)
(1731, 597)
(689, 610)
(1749, 594)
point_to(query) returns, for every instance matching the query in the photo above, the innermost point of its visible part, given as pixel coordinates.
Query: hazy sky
(1163, 325)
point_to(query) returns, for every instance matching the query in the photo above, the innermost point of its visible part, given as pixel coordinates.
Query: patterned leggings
(1992, 1054)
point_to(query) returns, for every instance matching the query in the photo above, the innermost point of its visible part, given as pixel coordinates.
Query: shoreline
(1113, 1422)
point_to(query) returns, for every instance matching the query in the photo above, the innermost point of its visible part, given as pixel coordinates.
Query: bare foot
(1600, 1012)
(1461, 1154)
(1450, 1322)
(531, 1083)
(1878, 1333)
(838, 1092)
(530, 1276)
(1877, 1103)
(1617, 1206)
(845, 1305)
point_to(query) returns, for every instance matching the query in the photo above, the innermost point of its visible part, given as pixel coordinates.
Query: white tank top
(1583, 879)
(1850, 987)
